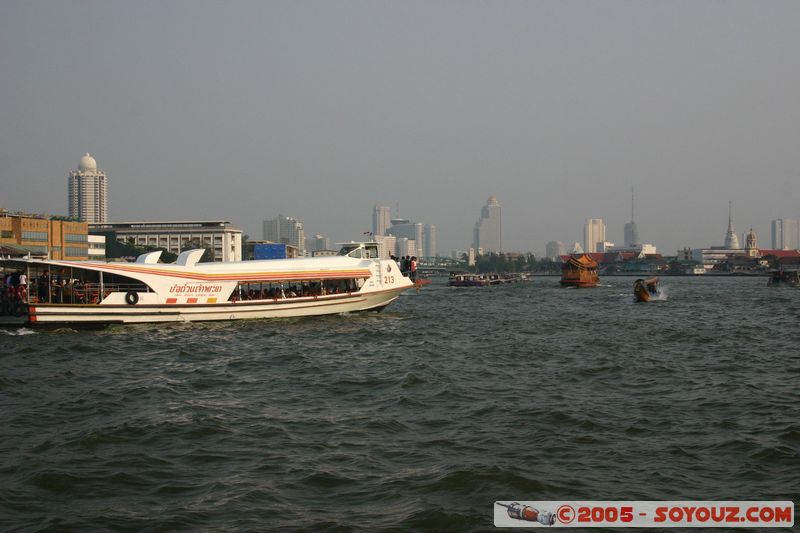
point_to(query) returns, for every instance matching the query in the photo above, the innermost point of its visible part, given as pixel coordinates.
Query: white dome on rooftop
(87, 162)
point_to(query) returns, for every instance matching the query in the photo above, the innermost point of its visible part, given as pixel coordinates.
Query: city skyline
(567, 107)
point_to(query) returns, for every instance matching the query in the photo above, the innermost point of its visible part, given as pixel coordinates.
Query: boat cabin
(579, 271)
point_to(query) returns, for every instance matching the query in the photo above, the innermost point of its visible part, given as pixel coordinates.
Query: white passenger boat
(86, 292)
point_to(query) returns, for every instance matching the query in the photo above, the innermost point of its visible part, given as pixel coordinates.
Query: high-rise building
(429, 240)
(287, 230)
(405, 228)
(88, 192)
(555, 249)
(387, 245)
(785, 234)
(594, 232)
(318, 243)
(731, 240)
(487, 234)
(381, 219)
(406, 247)
(631, 231)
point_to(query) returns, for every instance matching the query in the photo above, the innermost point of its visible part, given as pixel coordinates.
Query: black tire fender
(131, 298)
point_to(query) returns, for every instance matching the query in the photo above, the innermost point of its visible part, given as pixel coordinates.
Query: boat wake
(661, 296)
(20, 331)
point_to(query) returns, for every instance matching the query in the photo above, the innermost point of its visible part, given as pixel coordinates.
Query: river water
(419, 417)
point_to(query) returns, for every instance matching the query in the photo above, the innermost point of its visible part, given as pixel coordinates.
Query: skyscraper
(631, 231)
(88, 192)
(785, 234)
(555, 249)
(403, 228)
(487, 234)
(318, 242)
(429, 240)
(594, 232)
(381, 219)
(731, 240)
(287, 230)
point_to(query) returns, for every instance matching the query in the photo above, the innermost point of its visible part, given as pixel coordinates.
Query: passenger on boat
(59, 288)
(43, 288)
(413, 268)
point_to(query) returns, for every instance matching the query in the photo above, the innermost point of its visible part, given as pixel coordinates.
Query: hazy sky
(320, 109)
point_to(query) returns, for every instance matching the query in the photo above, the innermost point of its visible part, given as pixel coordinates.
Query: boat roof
(187, 267)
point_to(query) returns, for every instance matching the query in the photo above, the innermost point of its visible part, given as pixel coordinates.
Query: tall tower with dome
(88, 191)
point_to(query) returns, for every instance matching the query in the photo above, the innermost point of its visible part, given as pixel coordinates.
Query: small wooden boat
(644, 289)
(579, 271)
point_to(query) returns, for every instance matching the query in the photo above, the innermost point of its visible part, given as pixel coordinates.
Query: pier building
(42, 236)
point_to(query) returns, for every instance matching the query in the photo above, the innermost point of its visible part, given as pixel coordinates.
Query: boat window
(278, 290)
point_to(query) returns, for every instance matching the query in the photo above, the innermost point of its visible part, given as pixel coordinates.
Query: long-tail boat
(644, 289)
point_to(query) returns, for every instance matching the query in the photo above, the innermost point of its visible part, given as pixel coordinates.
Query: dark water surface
(418, 417)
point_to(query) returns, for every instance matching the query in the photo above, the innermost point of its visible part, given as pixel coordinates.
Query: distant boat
(579, 271)
(784, 278)
(469, 280)
(644, 289)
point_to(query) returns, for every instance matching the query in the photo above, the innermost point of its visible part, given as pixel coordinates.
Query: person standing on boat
(43, 288)
(59, 283)
(22, 286)
(413, 268)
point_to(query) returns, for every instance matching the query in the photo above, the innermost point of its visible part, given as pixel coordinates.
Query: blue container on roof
(269, 251)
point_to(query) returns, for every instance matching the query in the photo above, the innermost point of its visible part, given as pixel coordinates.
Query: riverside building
(51, 238)
(88, 192)
(219, 236)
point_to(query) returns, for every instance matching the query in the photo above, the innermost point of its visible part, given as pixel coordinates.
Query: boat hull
(583, 284)
(54, 314)
(641, 296)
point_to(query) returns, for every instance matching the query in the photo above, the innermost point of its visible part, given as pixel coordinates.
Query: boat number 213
(388, 279)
